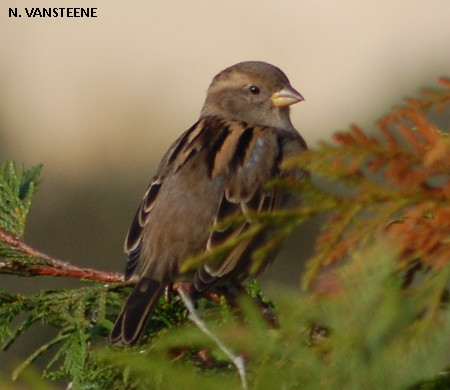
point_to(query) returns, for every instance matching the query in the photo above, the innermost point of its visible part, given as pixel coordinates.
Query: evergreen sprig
(17, 186)
(70, 311)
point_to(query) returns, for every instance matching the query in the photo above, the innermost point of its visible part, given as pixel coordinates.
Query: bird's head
(254, 92)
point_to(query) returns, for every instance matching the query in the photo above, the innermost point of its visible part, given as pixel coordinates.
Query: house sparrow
(216, 169)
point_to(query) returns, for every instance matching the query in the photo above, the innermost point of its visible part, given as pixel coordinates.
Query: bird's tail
(137, 309)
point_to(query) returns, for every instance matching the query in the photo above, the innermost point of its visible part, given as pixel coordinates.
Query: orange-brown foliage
(399, 185)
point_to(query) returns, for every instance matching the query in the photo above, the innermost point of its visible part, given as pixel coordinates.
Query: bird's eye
(254, 90)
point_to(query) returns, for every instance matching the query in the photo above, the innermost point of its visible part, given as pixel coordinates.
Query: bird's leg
(214, 294)
(175, 287)
(237, 360)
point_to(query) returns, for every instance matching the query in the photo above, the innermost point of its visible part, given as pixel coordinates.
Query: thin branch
(238, 361)
(48, 265)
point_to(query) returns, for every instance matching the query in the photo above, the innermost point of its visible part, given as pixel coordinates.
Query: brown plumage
(216, 169)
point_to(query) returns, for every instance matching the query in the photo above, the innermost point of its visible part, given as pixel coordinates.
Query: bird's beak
(286, 97)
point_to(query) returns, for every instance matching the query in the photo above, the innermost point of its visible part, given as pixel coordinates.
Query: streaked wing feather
(177, 155)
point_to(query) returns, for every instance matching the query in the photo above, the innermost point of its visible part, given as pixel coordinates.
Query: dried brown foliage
(393, 186)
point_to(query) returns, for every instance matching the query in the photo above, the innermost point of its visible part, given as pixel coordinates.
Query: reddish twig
(46, 265)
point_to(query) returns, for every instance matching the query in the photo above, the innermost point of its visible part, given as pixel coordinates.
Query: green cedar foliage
(373, 313)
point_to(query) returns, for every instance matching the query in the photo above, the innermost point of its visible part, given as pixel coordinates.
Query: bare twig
(46, 265)
(238, 361)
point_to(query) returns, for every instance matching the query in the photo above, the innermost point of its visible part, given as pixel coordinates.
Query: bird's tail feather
(137, 309)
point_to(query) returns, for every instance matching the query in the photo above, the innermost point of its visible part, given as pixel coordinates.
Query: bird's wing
(177, 155)
(249, 158)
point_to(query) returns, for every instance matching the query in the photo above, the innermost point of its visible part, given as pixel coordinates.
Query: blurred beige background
(98, 101)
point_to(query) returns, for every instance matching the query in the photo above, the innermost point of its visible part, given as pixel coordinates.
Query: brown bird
(216, 169)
